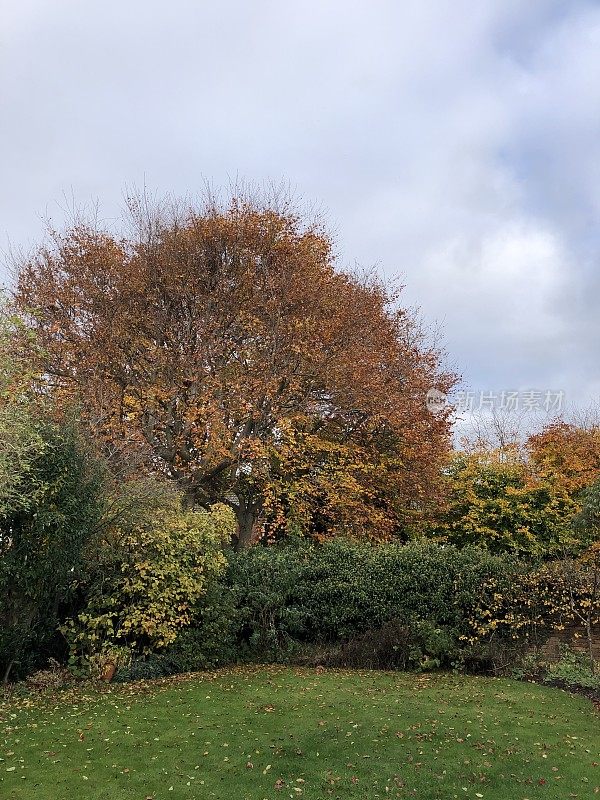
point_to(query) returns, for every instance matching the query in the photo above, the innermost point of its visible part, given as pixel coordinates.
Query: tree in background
(495, 499)
(567, 455)
(203, 341)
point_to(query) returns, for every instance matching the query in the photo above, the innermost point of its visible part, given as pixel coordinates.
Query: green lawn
(275, 733)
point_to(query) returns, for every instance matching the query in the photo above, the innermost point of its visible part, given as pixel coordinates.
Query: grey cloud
(456, 143)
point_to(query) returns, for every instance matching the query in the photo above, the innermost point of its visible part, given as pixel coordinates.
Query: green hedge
(383, 606)
(417, 601)
(293, 594)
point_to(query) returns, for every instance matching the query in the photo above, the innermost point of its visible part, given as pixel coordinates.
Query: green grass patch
(272, 733)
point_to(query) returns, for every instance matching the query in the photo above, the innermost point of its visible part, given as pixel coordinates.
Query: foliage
(145, 574)
(567, 455)
(210, 640)
(21, 439)
(266, 581)
(587, 521)
(573, 670)
(495, 500)
(338, 591)
(220, 345)
(569, 592)
(42, 538)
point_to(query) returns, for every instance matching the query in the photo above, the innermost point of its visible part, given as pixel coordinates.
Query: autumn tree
(211, 339)
(495, 499)
(568, 455)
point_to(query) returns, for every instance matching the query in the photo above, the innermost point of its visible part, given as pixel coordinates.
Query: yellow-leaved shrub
(144, 576)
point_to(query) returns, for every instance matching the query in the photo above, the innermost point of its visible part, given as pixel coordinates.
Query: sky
(454, 144)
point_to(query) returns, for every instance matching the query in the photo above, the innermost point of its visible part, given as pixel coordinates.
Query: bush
(142, 669)
(271, 611)
(145, 576)
(496, 500)
(42, 539)
(395, 605)
(209, 642)
(573, 670)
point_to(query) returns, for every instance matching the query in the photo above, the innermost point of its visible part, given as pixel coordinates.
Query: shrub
(42, 539)
(142, 669)
(145, 576)
(573, 670)
(271, 608)
(209, 642)
(436, 599)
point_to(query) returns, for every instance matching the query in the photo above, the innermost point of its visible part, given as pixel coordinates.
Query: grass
(277, 733)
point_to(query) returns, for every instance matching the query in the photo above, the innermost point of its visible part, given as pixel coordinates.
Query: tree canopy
(221, 347)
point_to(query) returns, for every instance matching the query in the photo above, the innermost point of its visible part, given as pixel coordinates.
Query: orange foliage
(567, 455)
(221, 345)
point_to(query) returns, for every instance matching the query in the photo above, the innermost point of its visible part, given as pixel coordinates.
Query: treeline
(212, 381)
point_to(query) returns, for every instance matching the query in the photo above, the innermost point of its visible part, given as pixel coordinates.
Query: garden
(241, 556)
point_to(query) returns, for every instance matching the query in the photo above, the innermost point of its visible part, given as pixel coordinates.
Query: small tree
(495, 500)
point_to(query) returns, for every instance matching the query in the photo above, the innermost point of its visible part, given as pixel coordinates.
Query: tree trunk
(590, 643)
(7, 671)
(188, 500)
(245, 519)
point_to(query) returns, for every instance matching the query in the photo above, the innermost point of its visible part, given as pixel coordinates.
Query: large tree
(203, 341)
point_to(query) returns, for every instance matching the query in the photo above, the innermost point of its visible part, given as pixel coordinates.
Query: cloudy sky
(455, 143)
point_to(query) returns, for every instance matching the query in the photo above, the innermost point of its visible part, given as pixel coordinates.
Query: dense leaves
(222, 348)
(143, 578)
(242, 389)
(294, 595)
(42, 538)
(567, 455)
(496, 499)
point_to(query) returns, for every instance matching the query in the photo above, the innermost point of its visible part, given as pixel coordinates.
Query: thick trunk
(245, 519)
